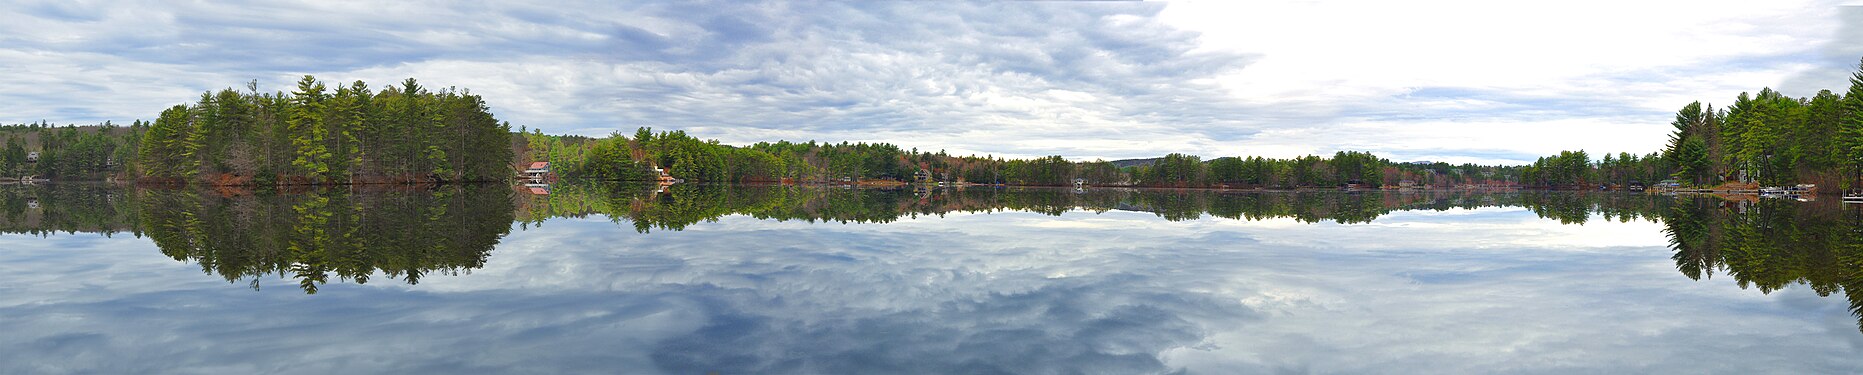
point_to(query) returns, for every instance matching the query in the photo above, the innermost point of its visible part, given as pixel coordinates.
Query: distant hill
(29, 136)
(1134, 162)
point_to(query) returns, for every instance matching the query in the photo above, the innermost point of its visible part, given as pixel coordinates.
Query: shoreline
(879, 185)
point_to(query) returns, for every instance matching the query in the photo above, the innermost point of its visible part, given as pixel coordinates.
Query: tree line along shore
(324, 134)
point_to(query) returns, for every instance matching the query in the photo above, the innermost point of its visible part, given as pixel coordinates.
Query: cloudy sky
(1458, 81)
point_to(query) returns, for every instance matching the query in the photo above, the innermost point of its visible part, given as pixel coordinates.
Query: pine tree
(308, 130)
(1850, 128)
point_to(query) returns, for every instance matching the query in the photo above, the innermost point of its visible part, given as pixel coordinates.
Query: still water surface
(597, 278)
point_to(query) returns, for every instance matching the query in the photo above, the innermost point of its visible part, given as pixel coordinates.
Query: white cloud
(1464, 80)
(1322, 51)
(1451, 75)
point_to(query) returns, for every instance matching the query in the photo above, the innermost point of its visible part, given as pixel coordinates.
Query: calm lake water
(599, 278)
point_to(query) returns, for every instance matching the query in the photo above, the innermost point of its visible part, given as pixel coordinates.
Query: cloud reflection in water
(1494, 289)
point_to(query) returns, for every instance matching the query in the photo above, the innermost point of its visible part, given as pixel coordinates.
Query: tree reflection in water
(673, 208)
(406, 233)
(1771, 244)
(310, 236)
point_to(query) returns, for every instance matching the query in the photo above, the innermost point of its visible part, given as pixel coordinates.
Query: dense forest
(1772, 139)
(215, 142)
(319, 135)
(1577, 169)
(632, 157)
(1764, 139)
(94, 152)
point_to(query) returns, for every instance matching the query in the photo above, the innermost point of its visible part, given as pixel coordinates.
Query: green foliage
(1045, 171)
(1692, 162)
(314, 136)
(91, 152)
(1688, 145)
(1567, 169)
(609, 160)
(1848, 147)
(1174, 170)
(1227, 170)
(13, 156)
(1771, 139)
(1358, 166)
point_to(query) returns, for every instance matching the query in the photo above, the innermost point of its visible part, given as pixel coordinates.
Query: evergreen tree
(308, 130)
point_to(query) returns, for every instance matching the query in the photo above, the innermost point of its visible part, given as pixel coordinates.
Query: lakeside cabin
(923, 176)
(663, 177)
(32, 157)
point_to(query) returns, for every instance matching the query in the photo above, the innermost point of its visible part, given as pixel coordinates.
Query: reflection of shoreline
(677, 206)
(311, 235)
(1770, 244)
(408, 230)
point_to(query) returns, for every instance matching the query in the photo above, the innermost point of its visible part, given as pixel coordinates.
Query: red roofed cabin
(538, 171)
(663, 177)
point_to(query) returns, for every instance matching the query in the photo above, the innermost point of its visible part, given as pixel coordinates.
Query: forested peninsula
(407, 133)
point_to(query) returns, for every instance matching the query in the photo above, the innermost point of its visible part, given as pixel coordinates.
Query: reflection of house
(32, 157)
(663, 177)
(32, 203)
(538, 189)
(537, 171)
